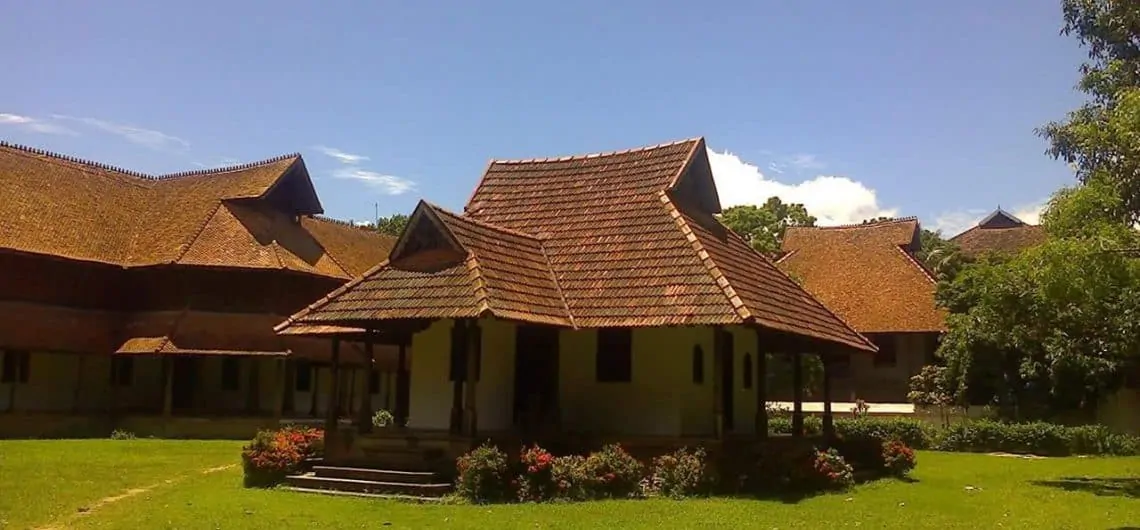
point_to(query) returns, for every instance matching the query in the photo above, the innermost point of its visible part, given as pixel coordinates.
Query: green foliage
(898, 459)
(272, 455)
(764, 226)
(572, 480)
(682, 473)
(483, 475)
(536, 478)
(831, 471)
(1099, 139)
(933, 388)
(382, 418)
(393, 225)
(119, 434)
(618, 474)
(914, 433)
(1038, 438)
(941, 257)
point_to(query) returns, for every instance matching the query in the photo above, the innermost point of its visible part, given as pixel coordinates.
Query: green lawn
(950, 491)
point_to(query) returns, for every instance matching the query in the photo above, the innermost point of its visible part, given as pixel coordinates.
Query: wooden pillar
(798, 395)
(458, 345)
(75, 398)
(403, 388)
(314, 387)
(828, 420)
(333, 412)
(281, 389)
(761, 385)
(717, 380)
(365, 421)
(167, 386)
(473, 347)
(253, 386)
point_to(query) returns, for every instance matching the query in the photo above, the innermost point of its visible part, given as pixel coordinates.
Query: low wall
(44, 425)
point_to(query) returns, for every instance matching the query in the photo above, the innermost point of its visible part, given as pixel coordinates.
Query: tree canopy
(392, 225)
(764, 226)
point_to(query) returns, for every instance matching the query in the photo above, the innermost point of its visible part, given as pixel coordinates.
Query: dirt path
(84, 511)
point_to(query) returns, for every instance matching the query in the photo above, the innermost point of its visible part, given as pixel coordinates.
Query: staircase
(417, 486)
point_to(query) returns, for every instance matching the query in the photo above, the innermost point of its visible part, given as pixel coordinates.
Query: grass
(948, 491)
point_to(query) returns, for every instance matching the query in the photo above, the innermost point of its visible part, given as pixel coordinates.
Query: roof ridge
(593, 155)
(74, 159)
(198, 233)
(921, 266)
(225, 169)
(328, 297)
(871, 224)
(706, 259)
(557, 285)
(482, 299)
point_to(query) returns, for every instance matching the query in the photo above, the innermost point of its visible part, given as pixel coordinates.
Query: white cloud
(343, 157)
(833, 200)
(34, 125)
(954, 223)
(388, 184)
(145, 137)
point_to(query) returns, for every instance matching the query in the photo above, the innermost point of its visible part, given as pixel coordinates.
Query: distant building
(1000, 231)
(869, 276)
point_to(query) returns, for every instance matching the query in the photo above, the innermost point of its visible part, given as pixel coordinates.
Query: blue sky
(856, 108)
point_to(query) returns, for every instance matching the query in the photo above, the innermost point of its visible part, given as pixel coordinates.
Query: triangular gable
(694, 186)
(426, 236)
(1000, 219)
(294, 193)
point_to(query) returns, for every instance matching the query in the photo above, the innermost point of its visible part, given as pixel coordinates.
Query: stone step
(311, 481)
(384, 496)
(375, 475)
(405, 459)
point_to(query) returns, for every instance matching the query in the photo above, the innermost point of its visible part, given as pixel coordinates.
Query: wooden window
(459, 352)
(614, 358)
(231, 373)
(16, 366)
(122, 371)
(374, 381)
(747, 367)
(303, 379)
(698, 365)
(888, 351)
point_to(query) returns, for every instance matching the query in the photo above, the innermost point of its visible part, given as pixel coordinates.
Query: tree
(392, 225)
(764, 226)
(1099, 139)
(1050, 329)
(933, 388)
(942, 257)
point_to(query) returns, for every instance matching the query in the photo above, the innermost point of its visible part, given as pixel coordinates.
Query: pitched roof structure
(1000, 231)
(239, 217)
(620, 239)
(867, 274)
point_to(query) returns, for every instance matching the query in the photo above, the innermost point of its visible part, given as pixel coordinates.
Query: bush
(813, 425)
(571, 478)
(915, 433)
(273, 455)
(898, 459)
(614, 473)
(678, 474)
(536, 481)
(1039, 438)
(832, 471)
(118, 434)
(482, 475)
(382, 418)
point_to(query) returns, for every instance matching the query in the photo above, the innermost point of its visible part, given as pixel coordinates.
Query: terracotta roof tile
(611, 230)
(979, 240)
(866, 274)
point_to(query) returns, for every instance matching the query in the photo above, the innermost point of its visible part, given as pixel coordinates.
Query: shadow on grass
(1100, 486)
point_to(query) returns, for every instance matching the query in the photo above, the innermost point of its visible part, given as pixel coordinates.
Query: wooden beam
(473, 347)
(282, 389)
(403, 386)
(457, 345)
(333, 412)
(364, 423)
(75, 398)
(314, 386)
(717, 376)
(167, 385)
(828, 419)
(761, 385)
(798, 395)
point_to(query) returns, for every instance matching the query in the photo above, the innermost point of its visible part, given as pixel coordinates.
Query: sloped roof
(228, 217)
(613, 232)
(1000, 231)
(867, 274)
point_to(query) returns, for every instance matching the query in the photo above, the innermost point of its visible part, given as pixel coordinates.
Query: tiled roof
(605, 234)
(866, 274)
(979, 240)
(228, 217)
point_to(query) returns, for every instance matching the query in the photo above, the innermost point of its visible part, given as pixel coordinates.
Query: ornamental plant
(483, 475)
(831, 470)
(383, 418)
(536, 481)
(615, 473)
(898, 458)
(572, 480)
(273, 455)
(679, 474)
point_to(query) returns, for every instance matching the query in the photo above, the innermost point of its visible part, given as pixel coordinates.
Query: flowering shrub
(898, 458)
(274, 454)
(831, 470)
(482, 475)
(861, 409)
(536, 482)
(614, 472)
(572, 480)
(678, 474)
(382, 418)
